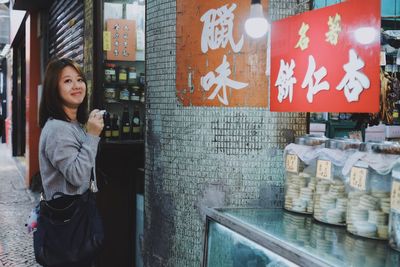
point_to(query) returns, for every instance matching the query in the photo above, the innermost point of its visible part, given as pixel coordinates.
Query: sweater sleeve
(73, 159)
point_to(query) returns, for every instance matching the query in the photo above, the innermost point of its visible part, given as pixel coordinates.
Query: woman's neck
(71, 113)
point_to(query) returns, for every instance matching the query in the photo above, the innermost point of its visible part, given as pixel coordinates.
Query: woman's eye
(80, 80)
(67, 81)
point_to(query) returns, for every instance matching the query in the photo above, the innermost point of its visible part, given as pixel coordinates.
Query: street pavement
(16, 202)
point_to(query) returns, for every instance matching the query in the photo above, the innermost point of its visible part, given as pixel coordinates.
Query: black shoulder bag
(69, 231)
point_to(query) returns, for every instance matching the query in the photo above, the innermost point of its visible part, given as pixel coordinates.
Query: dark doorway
(3, 100)
(18, 100)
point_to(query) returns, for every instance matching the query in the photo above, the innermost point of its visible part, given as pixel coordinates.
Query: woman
(69, 138)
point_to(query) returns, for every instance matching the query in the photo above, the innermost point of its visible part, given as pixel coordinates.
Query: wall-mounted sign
(217, 63)
(327, 59)
(122, 44)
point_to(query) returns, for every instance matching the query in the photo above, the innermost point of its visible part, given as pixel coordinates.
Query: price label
(106, 40)
(292, 163)
(383, 58)
(358, 178)
(395, 196)
(324, 169)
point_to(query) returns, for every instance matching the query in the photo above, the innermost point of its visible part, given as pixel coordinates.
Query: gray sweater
(66, 157)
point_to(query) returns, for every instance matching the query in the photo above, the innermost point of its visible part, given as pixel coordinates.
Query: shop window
(124, 69)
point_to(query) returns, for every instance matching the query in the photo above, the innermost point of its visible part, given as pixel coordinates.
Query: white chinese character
(318, 75)
(354, 82)
(285, 81)
(304, 40)
(218, 29)
(222, 81)
(332, 35)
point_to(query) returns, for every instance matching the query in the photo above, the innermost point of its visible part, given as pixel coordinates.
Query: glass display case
(282, 238)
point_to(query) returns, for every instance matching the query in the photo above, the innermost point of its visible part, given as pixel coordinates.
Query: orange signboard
(218, 64)
(123, 39)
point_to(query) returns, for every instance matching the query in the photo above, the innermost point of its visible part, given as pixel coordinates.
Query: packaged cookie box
(330, 197)
(300, 178)
(368, 199)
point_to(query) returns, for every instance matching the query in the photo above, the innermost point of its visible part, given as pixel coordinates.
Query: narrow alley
(16, 202)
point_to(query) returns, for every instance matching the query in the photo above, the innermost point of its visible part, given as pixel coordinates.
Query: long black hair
(51, 105)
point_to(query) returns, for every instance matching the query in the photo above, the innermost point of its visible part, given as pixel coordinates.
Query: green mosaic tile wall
(197, 157)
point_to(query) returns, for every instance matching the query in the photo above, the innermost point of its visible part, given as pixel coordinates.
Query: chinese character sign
(327, 59)
(217, 63)
(121, 42)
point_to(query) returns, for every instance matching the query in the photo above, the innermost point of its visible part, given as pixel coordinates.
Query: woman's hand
(95, 123)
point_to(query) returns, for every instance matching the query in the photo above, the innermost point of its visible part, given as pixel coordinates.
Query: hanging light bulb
(256, 25)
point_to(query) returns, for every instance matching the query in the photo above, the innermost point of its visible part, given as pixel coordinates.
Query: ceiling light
(256, 25)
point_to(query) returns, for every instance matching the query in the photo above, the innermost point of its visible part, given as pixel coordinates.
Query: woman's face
(72, 87)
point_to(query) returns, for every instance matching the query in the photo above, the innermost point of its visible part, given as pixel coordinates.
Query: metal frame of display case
(269, 231)
(265, 240)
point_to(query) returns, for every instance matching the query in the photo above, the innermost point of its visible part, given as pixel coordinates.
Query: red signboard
(327, 59)
(218, 64)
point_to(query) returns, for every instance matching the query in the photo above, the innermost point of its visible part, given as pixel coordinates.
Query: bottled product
(125, 124)
(110, 94)
(132, 76)
(300, 178)
(330, 198)
(142, 99)
(107, 125)
(136, 127)
(114, 127)
(369, 197)
(135, 93)
(110, 73)
(124, 94)
(122, 75)
(142, 79)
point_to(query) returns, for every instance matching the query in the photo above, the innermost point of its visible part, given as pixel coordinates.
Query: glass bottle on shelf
(142, 79)
(300, 177)
(110, 73)
(107, 125)
(124, 93)
(142, 99)
(125, 124)
(136, 129)
(331, 194)
(135, 93)
(114, 127)
(110, 94)
(132, 76)
(369, 195)
(123, 75)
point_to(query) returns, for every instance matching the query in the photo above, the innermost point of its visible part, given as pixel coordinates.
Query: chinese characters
(352, 83)
(218, 29)
(222, 81)
(218, 32)
(335, 28)
(285, 81)
(304, 40)
(313, 78)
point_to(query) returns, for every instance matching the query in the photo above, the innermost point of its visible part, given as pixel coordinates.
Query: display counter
(275, 237)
